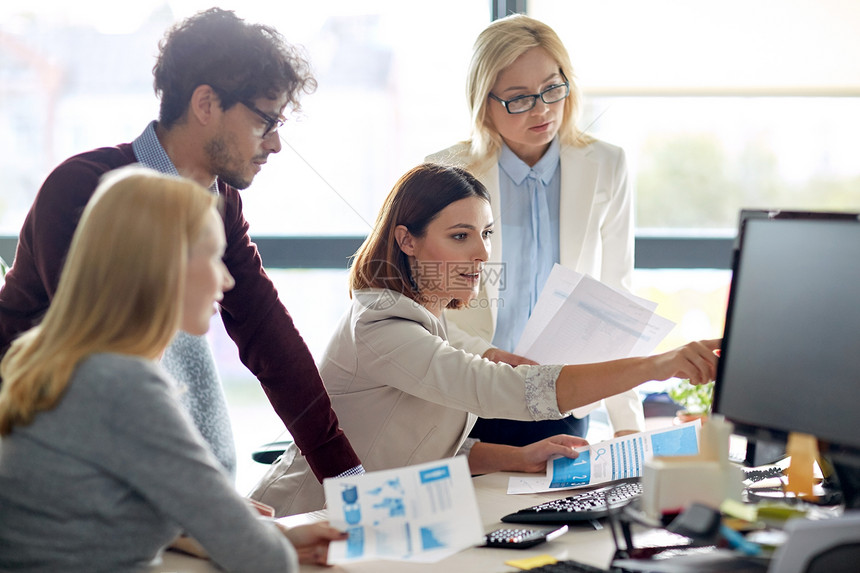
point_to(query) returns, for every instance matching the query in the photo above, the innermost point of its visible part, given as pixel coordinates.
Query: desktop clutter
(702, 498)
(671, 484)
(699, 513)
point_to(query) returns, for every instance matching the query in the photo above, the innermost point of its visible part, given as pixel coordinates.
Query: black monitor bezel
(841, 453)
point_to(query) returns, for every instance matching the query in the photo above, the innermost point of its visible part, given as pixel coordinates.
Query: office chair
(820, 546)
(268, 453)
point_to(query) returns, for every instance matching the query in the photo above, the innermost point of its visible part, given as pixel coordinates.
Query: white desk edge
(582, 542)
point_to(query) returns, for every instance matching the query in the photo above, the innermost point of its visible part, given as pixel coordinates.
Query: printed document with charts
(423, 513)
(616, 459)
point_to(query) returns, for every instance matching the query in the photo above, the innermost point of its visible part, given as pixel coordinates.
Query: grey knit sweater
(111, 475)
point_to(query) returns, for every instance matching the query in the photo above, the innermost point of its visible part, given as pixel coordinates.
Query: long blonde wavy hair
(496, 48)
(120, 290)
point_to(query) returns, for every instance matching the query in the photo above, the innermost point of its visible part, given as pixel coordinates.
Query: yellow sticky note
(532, 562)
(744, 511)
(778, 512)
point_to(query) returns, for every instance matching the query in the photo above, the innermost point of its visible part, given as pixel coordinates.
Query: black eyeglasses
(524, 103)
(273, 123)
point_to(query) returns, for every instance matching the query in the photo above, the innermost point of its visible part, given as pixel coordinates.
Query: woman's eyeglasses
(524, 103)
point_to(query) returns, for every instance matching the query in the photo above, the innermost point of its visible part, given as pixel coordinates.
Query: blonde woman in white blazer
(402, 394)
(517, 62)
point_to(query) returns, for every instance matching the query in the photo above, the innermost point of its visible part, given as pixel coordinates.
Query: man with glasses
(224, 86)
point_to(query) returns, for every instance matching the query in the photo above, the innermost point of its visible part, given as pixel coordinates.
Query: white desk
(581, 543)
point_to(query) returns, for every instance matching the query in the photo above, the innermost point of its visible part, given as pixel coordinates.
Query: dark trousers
(517, 433)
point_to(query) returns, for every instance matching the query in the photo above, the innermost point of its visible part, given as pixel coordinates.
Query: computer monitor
(790, 359)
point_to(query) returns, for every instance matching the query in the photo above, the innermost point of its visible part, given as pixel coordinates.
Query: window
(719, 106)
(79, 76)
(391, 91)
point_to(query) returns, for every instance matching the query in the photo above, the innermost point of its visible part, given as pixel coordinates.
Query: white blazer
(596, 238)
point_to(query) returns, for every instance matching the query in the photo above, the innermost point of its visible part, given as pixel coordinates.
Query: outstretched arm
(583, 384)
(273, 350)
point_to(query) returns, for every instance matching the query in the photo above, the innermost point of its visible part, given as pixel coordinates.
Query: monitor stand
(848, 481)
(762, 452)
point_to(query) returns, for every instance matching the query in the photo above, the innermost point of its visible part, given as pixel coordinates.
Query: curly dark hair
(240, 61)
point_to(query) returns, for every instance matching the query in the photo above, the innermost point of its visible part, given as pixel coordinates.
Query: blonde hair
(496, 48)
(120, 290)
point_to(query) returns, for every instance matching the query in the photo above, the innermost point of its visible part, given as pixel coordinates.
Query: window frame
(653, 251)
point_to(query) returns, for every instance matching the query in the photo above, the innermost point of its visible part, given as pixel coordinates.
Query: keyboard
(580, 507)
(753, 475)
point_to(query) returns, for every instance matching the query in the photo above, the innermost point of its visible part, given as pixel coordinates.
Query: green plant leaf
(696, 399)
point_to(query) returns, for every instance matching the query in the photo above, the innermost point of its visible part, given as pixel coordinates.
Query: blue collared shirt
(149, 152)
(527, 260)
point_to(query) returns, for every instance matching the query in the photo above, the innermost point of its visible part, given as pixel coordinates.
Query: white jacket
(596, 238)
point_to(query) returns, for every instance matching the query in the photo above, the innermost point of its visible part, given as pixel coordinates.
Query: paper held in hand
(579, 320)
(421, 513)
(612, 460)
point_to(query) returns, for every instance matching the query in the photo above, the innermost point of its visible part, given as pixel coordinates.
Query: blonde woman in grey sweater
(100, 467)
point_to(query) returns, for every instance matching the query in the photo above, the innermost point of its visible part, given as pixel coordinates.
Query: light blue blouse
(530, 234)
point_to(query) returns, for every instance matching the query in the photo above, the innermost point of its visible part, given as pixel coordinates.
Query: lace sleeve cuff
(466, 447)
(541, 398)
